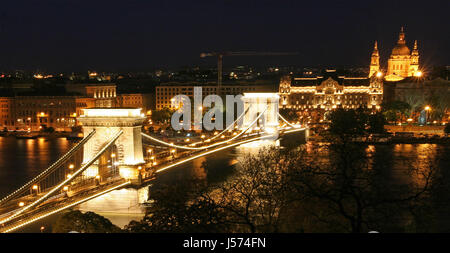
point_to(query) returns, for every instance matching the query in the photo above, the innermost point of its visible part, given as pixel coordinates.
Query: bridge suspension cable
(49, 170)
(294, 126)
(68, 180)
(206, 147)
(228, 127)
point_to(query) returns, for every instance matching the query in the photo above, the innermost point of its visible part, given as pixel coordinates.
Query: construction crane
(220, 56)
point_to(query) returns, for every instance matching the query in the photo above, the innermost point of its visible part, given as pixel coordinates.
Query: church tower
(285, 90)
(374, 61)
(414, 66)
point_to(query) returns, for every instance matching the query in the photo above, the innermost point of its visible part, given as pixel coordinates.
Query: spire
(401, 36)
(374, 61)
(415, 51)
(375, 49)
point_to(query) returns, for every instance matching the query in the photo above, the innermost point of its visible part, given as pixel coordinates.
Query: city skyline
(225, 118)
(65, 37)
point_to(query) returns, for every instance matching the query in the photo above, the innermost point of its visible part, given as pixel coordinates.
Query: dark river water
(22, 159)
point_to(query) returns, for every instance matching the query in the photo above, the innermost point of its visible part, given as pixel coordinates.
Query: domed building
(402, 62)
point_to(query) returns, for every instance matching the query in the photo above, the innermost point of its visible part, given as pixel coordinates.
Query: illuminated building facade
(131, 100)
(330, 91)
(164, 93)
(105, 95)
(34, 113)
(6, 112)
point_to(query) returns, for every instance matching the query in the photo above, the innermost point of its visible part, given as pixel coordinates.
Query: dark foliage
(88, 222)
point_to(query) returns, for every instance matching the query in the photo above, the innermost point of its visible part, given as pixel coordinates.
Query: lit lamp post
(140, 174)
(152, 161)
(173, 153)
(149, 152)
(29, 124)
(427, 109)
(113, 156)
(35, 189)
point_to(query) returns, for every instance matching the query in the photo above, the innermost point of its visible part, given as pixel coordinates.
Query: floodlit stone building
(402, 62)
(329, 91)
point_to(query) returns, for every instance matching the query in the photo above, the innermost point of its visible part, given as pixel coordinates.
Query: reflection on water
(23, 159)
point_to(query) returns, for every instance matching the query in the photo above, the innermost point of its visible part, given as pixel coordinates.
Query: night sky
(69, 35)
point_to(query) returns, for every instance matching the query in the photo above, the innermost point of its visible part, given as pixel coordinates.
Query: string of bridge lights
(209, 146)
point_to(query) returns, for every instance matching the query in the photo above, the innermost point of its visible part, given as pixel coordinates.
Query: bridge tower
(256, 103)
(127, 151)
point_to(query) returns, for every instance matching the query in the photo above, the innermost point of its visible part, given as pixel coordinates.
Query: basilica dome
(401, 49)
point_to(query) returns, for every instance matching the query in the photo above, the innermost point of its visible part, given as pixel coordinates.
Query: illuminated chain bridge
(111, 157)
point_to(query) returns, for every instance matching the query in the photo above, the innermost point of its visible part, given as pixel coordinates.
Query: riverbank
(392, 140)
(34, 135)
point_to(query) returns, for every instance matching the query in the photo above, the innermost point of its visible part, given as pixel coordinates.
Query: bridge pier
(262, 103)
(125, 157)
(293, 139)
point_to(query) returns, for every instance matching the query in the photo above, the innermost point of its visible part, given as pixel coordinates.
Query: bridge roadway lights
(127, 150)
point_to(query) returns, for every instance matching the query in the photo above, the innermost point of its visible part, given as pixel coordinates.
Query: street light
(427, 109)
